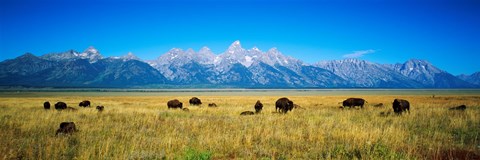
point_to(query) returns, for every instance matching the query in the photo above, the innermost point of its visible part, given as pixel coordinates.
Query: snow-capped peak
(175, 50)
(204, 49)
(92, 50)
(255, 49)
(273, 50)
(91, 53)
(235, 47)
(236, 43)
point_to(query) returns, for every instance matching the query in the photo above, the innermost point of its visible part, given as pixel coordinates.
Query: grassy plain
(139, 126)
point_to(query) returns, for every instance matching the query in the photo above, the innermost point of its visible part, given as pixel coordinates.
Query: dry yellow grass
(141, 127)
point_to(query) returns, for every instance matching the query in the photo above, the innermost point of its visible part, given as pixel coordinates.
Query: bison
(283, 105)
(46, 105)
(258, 106)
(174, 104)
(84, 104)
(212, 105)
(66, 128)
(100, 108)
(352, 102)
(400, 105)
(60, 105)
(186, 109)
(461, 108)
(247, 113)
(195, 101)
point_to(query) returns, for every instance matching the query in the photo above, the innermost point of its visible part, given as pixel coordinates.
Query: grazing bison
(84, 104)
(247, 113)
(212, 105)
(400, 105)
(195, 101)
(352, 102)
(461, 108)
(66, 128)
(258, 106)
(174, 104)
(283, 105)
(100, 108)
(378, 105)
(46, 105)
(60, 105)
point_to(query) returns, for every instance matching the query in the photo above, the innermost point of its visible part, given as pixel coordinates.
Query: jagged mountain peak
(204, 49)
(366, 74)
(235, 47)
(236, 44)
(353, 60)
(348, 63)
(130, 56)
(255, 49)
(91, 49)
(175, 50)
(417, 61)
(430, 76)
(273, 50)
(91, 53)
(416, 66)
(62, 56)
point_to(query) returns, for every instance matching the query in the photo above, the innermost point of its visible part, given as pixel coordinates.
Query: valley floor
(138, 125)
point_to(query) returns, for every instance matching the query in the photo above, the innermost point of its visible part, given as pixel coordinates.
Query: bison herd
(69, 127)
(282, 105)
(63, 106)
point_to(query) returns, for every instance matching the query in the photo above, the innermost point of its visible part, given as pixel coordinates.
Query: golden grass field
(141, 127)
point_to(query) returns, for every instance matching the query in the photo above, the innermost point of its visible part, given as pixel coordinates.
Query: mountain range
(236, 67)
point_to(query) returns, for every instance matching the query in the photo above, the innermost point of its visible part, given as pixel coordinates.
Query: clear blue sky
(446, 33)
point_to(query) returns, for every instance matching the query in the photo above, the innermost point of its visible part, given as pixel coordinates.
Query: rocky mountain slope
(235, 67)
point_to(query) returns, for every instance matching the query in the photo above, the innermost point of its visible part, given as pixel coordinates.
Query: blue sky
(445, 33)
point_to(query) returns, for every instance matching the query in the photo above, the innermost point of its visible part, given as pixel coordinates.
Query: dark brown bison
(84, 104)
(400, 105)
(66, 128)
(100, 108)
(212, 105)
(46, 105)
(352, 102)
(195, 101)
(174, 104)
(283, 105)
(461, 108)
(247, 113)
(60, 105)
(258, 106)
